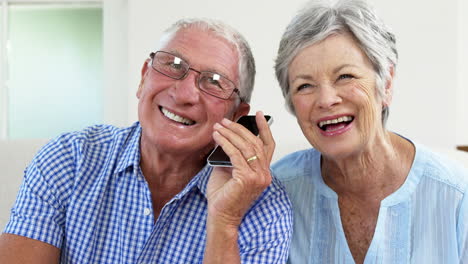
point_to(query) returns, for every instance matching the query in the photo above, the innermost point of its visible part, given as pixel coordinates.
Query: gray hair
(318, 20)
(246, 67)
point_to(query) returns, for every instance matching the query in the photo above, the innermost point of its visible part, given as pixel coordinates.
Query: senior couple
(145, 194)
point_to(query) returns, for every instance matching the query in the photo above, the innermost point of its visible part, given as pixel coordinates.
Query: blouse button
(146, 211)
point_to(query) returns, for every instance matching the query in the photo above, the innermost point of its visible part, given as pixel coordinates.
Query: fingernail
(226, 122)
(217, 126)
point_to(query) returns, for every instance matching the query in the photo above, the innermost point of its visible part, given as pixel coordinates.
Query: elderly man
(144, 194)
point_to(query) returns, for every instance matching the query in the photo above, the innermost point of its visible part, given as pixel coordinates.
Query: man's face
(175, 115)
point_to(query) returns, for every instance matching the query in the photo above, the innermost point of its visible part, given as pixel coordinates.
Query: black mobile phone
(218, 157)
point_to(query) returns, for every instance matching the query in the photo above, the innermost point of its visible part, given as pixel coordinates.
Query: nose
(185, 91)
(328, 97)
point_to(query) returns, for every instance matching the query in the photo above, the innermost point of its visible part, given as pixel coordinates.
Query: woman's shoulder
(442, 166)
(296, 164)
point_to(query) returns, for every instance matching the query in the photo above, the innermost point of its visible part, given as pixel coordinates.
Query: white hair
(246, 67)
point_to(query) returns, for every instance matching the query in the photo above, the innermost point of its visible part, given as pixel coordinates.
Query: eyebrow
(303, 76)
(212, 70)
(336, 70)
(219, 73)
(343, 66)
(176, 53)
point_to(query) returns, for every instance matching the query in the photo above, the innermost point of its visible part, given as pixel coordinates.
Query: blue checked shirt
(84, 193)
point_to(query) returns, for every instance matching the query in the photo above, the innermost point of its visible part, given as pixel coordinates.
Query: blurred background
(65, 65)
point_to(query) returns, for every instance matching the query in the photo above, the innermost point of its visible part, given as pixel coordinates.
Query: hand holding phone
(231, 191)
(218, 157)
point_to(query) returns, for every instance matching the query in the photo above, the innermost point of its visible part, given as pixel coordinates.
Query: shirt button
(147, 211)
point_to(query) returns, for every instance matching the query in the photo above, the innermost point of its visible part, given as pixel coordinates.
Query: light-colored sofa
(16, 155)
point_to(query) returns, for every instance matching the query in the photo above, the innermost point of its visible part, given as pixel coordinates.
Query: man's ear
(144, 72)
(242, 110)
(388, 90)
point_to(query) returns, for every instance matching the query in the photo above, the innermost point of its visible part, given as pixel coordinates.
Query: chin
(338, 151)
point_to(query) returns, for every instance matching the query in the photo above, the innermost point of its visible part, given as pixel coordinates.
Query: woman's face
(332, 85)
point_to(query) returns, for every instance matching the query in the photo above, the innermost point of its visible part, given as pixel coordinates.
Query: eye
(212, 81)
(305, 88)
(214, 84)
(176, 63)
(345, 76)
(176, 66)
(172, 63)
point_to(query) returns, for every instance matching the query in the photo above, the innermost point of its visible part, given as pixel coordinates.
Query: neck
(169, 172)
(374, 173)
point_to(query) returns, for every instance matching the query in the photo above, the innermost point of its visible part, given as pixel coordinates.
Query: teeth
(335, 121)
(176, 118)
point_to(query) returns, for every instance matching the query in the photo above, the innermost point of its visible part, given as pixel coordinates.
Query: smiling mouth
(176, 118)
(335, 124)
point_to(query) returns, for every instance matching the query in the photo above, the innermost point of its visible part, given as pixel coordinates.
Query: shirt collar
(130, 151)
(200, 181)
(130, 157)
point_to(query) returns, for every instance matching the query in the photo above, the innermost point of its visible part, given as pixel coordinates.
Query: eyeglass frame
(235, 90)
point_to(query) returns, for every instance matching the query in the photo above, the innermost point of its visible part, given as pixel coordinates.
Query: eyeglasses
(176, 68)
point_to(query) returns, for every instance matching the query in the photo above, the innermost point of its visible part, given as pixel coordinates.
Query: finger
(255, 142)
(248, 144)
(265, 134)
(250, 155)
(239, 129)
(235, 155)
(245, 134)
(240, 151)
(244, 171)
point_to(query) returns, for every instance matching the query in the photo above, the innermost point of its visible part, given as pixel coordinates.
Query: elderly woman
(362, 194)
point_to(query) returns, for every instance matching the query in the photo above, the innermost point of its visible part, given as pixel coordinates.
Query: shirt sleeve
(39, 212)
(266, 235)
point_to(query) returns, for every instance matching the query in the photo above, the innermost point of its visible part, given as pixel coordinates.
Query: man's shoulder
(270, 213)
(92, 145)
(89, 136)
(272, 204)
(277, 190)
(97, 134)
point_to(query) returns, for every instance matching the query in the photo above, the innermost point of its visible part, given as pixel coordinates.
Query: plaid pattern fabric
(84, 193)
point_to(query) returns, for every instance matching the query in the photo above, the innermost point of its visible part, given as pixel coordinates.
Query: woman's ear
(388, 90)
(144, 72)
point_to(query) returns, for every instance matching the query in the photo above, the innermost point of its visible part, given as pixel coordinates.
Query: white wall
(115, 53)
(462, 92)
(424, 106)
(425, 93)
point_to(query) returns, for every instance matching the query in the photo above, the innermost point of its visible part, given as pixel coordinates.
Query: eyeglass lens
(176, 68)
